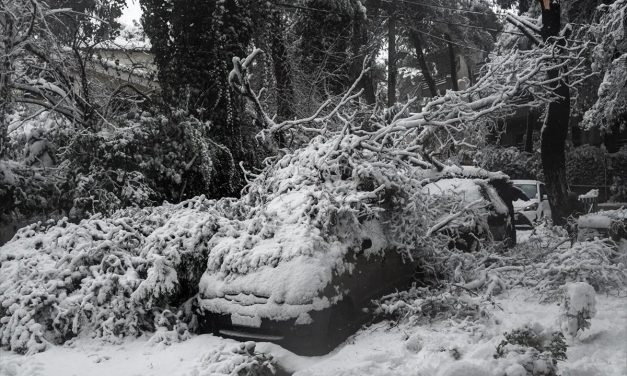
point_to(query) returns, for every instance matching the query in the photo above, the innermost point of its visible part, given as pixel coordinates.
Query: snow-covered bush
(530, 351)
(579, 307)
(545, 263)
(140, 159)
(145, 159)
(422, 305)
(111, 277)
(609, 57)
(240, 360)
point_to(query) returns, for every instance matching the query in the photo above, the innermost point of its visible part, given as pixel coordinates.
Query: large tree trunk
(555, 129)
(424, 68)
(451, 60)
(392, 57)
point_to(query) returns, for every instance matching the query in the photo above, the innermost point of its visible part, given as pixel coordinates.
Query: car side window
(542, 191)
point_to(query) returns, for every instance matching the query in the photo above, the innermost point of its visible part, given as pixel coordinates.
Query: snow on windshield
(531, 190)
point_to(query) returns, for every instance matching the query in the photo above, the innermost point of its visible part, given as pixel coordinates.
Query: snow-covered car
(283, 304)
(301, 270)
(498, 221)
(536, 207)
(604, 224)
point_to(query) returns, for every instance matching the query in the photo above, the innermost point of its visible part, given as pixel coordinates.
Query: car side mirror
(545, 197)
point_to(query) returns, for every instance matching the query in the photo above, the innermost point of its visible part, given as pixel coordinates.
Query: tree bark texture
(392, 58)
(530, 117)
(424, 68)
(451, 59)
(284, 87)
(360, 52)
(555, 128)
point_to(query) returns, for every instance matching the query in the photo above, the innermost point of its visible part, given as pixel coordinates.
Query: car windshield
(531, 190)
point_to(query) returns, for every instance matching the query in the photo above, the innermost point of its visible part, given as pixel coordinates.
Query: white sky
(131, 12)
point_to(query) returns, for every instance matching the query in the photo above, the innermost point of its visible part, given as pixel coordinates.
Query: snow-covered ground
(382, 349)
(441, 347)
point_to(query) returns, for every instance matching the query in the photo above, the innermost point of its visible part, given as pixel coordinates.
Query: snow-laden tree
(609, 60)
(193, 42)
(47, 48)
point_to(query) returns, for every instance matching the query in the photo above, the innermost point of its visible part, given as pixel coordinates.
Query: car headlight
(531, 207)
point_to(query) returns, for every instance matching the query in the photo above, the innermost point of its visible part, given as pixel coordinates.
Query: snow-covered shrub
(513, 162)
(169, 328)
(547, 262)
(240, 360)
(578, 307)
(139, 159)
(530, 351)
(145, 159)
(422, 305)
(111, 277)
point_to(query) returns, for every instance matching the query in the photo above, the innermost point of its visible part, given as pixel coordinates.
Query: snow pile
(111, 277)
(579, 307)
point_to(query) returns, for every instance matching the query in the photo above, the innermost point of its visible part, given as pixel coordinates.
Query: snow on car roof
(525, 181)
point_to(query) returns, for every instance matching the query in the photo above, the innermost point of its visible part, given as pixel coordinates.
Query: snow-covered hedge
(113, 276)
(140, 159)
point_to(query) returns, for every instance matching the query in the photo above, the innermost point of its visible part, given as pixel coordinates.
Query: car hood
(288, 290)
(520, 204)
(297, 281)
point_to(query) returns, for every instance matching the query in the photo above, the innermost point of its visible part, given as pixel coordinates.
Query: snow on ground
(439, 348)
(381, 349)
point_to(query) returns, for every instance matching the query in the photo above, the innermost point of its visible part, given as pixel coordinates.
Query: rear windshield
(531, 190)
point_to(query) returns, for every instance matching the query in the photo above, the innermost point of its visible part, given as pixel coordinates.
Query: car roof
(523, 181)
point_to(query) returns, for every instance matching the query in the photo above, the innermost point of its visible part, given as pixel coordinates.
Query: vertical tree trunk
(451, 59)
(281, 70)
(529, 132)
(392, 57)
(555, 129)
(424, 68)
(284, 88)
(5, 75)
(360, 52)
